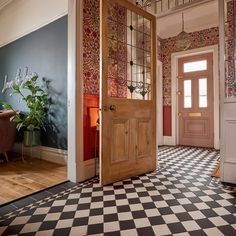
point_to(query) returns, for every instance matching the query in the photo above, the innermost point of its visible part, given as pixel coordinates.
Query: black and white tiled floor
(180, 198)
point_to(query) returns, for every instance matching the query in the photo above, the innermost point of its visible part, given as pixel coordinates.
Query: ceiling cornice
(3, 3)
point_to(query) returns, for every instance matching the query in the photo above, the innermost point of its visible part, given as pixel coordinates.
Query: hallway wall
(166, 47)
(91, 75)
(91, 46)
(199, 39)
(34, 35)
(91, 68)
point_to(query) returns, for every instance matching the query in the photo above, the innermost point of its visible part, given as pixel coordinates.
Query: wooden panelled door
(195, 100)
(127, 91)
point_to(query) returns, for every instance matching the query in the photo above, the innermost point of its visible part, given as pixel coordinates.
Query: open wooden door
(127, 91)
(227, 9)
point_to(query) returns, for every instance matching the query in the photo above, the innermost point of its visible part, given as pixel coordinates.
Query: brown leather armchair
(7, 132)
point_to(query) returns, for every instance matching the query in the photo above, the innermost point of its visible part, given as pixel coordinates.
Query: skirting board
(168, 140)
(55, 155)
(89, 167)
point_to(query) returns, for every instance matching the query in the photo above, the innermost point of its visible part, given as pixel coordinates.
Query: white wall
(21, 17)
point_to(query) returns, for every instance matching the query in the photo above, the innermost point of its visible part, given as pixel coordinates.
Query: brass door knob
(179, 77)
(112, 107)
(179, 93)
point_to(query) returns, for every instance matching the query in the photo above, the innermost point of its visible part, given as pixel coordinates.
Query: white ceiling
(197, 18)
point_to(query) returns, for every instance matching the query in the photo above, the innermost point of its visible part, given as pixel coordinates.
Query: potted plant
(37, 102)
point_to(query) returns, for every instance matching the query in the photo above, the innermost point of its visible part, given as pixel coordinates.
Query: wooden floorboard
(18, 178)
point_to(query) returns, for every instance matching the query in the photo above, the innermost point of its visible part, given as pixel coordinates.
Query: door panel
(196, 128)
(144, 138)
(120, 140)
(127, 103)
(195, 101)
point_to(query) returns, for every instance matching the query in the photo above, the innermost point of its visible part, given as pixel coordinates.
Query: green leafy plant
(36, 100)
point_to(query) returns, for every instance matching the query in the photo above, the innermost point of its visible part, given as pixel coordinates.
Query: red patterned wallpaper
(167, 47)
(199, 39)
(91, 47)
(230, 83)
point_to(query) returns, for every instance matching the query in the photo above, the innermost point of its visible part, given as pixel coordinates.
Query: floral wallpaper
(167, 47)
(91, 47)
(230, 77)
(199, 39)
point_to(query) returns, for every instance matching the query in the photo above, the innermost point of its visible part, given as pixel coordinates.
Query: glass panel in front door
(202, 85)
(129, 49)
(187, 93)
(195, 66)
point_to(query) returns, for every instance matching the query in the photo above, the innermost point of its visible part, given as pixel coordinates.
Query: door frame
(174, 139)
(159, 103)
(77, 169)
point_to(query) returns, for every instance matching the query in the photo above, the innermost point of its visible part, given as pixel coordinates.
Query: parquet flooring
(18, 178)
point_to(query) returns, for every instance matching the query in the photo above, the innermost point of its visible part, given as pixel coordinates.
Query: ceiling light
(183, 40)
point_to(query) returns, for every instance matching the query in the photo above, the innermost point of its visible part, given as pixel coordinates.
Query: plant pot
(32, 138)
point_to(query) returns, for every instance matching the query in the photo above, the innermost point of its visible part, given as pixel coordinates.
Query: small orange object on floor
(216, 172)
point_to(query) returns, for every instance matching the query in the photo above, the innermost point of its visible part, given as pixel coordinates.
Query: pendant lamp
(183, 40)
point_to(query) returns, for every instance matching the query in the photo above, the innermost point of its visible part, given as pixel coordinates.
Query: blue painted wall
(43, 51)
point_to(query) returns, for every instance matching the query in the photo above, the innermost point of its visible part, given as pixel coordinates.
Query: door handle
(112, 107)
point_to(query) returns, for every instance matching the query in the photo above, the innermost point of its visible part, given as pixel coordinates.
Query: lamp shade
(183, 41)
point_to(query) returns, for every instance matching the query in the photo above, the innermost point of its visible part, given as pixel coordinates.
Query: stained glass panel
(129, 48)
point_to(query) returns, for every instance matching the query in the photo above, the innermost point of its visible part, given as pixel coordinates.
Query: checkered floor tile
(180, 198)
